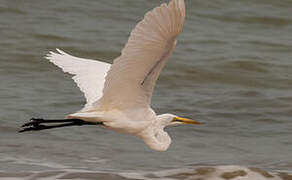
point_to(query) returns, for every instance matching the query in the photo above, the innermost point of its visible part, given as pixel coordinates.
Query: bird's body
(119, 95)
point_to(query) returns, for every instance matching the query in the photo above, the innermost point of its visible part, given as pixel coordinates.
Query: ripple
(7, 10)
(49, 37)
(275, 21)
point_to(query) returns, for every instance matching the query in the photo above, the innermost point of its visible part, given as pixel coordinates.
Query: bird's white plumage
(119, 95)
(89, 75)
(130, 81)
(131, 78)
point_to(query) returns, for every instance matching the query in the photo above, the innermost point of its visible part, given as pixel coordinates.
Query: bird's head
(171, 119)
(156, 137)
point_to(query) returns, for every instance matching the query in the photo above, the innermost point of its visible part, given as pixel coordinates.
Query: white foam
(208, 173)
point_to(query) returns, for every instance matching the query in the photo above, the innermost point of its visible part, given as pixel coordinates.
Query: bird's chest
(131, 122)
(127, 127)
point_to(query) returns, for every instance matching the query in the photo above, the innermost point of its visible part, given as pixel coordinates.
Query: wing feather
(89, 75)
(131, 79)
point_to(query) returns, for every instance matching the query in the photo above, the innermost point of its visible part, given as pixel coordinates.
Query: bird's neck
(156, 138)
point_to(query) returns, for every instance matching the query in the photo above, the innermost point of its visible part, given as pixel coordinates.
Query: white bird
(118, 96)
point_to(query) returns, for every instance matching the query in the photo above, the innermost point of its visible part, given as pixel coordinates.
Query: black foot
(33, 122)
(33, 125)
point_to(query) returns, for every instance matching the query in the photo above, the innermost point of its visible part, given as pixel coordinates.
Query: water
(232, 69)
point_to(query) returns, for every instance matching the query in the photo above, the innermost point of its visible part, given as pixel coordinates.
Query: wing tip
(52, 54)
(61, 52)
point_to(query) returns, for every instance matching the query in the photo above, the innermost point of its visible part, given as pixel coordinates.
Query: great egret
(119, 95)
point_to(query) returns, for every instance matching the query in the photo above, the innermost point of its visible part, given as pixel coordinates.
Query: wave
(231, 172)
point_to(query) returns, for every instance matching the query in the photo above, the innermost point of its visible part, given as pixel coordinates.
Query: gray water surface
(232, 69)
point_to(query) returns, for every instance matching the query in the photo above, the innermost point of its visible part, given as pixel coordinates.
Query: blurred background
(232, 69)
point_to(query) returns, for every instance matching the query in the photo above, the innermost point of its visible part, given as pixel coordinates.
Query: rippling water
(232, 69)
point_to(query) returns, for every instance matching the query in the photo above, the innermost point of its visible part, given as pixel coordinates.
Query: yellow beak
(186, 120)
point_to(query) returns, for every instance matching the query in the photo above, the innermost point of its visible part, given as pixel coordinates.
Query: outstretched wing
(89, 75)
(131, 79)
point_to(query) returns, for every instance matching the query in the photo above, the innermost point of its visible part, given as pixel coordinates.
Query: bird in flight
(118, 95)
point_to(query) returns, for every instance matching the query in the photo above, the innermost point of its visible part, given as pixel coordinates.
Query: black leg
(37, 124)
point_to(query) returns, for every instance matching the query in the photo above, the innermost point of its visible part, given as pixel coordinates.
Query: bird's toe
(33, 122)
(36, 119)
